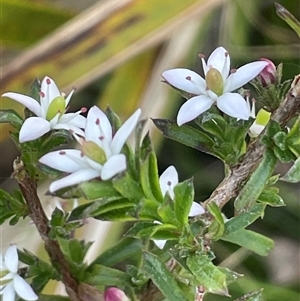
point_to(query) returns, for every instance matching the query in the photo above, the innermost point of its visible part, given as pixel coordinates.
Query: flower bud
(115, 294)
(268, 75)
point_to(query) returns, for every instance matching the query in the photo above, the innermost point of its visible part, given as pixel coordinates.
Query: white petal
(73, 119)
(74, 178)
(11, 259)
(9, 292)
(243, 75)
(27, 101)
(234, 105)
(124, 132)
(196, 209)
(193, 108)
(168, 180)
(33, 128)
(93, 130)
(68, 127)
(23, 289)
(68, 98)
(68, 160)
(113, 166)
(220, 61)
(49, 89)
(160, 243)
(177, 78)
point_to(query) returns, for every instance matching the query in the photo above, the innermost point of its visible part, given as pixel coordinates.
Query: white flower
(167, 181)
(50, 112)
(216, 86)
(10, 282)
(99, 155)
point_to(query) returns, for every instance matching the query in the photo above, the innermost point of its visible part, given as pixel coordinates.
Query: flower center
(57, 105)
(214, 81)
(93, 151)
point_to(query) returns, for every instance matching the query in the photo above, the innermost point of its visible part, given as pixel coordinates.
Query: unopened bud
(268, 75)
(115, 294)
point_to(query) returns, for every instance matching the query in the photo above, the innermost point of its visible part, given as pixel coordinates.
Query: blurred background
(113, 52)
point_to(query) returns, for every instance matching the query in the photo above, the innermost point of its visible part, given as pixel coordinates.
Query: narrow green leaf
(147, 209)
(244, 219)
(185, 135)
(293, 175)
(126, 248)
(252, 296)
(270, 197)
(162, 277)
(166, 211)
(12, 117)
(127, 187)
(286, 16)
(184, 196)
(207, 274)
(231, 276)
(102, 275)
(95, 189)
(250, 240)
(217, 227)
(255, 185)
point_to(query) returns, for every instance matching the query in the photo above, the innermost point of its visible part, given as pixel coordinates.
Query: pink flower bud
(115, 294)
(268, 75)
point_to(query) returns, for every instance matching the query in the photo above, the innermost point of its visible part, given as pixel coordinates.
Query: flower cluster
(50, 112)
(216, 87)
(10, 281)
(99, 155)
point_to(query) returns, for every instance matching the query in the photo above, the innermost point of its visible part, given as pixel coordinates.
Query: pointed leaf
(293, 175)
(250, 240)
(162, 277)
(12, 117)
(207, 274)
(253, 296)
(217, 227)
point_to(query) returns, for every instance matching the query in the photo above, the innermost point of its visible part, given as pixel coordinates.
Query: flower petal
(113, 166)
(243, 75)
(27, 101)
(220, 60)
(185, 80)
(69, 160)
(196, 209)
(9, 292)
(193, 108)
(160, 243)
(74, 178)
(234, 105)
(124, 132)
(11, 259)
(33, 128)
(94, 130)
(168, 180)
(68, 127)
(73, 119)
(23, 289)
(49, 88)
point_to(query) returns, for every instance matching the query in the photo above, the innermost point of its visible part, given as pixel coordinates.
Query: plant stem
(37, 214)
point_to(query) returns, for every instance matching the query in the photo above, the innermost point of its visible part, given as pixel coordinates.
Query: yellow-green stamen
(94, 152)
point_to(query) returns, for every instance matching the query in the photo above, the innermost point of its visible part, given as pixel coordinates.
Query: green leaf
(148, 171)
(270, 196)
(185, 135)
(162, 277)
(286, 16)
(113, 119)
(250, 240)
(217, 227)
(127, 187)
(95, 189)
(102, 275)
(252, 296)
(147, 209)
(244, 219)
(166, 211)
(183, 199)
(126, 248)
(12, 117)
(255, 185)
(207, 274)
(293, 175)
(231, 276)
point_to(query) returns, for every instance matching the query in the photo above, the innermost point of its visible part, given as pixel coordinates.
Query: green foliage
(216, 228)
(11, 117)
(293, 175)
(12, 205)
